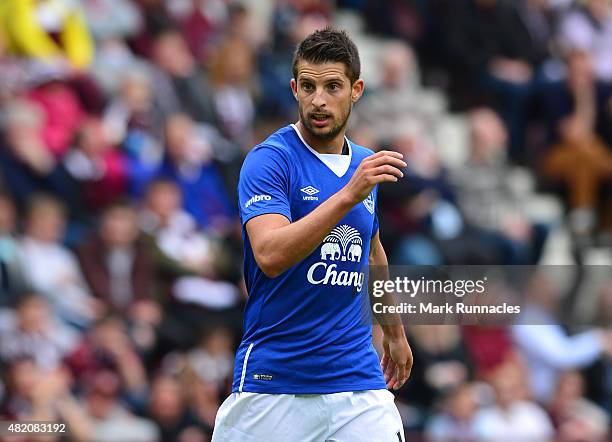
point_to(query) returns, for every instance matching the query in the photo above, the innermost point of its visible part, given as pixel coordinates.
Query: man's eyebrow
(305, 77)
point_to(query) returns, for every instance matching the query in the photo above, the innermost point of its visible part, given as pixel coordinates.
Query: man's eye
(307, 87)
(334, 86)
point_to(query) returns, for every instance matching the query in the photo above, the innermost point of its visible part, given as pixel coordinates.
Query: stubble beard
(331, 133)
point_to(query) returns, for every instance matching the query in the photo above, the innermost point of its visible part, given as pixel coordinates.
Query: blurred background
(123, 127)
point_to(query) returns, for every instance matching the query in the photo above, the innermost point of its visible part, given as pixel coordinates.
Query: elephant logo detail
(343, 243)
(330, 249)
(354, 253)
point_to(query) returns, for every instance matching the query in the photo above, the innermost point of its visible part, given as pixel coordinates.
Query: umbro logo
(256, 199)
(309, 190)
(310, 193)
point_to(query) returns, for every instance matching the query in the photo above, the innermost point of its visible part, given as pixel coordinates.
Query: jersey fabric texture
(308, 330)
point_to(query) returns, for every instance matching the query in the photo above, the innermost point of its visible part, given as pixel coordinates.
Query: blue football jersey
(304, 330)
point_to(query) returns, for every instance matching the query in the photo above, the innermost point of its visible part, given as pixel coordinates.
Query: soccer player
(306, 369)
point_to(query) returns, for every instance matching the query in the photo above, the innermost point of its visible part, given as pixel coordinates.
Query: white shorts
(363, 416)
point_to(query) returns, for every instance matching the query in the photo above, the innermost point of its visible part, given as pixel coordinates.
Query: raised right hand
(381, 167)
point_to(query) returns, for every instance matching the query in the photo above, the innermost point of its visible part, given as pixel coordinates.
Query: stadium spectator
(399, 100)
(456, 420)
(545, 346)
(14, 72)
(598, 386)
(290, 22)
(185, 87)
(52, 269)
(211, 360)
(588, 27)
(245, 25)
(425, 223)
(63, 112)
(133, 108)
(169, 410)
(603, 307)
(175, 231)
(111, 420)
(488, 347)
(189, 163)
(200, 23)
(112, 19)
(35, 395)
(579, 89)
(443, 367)
(490, 39)
(48, 30)
(203, 398)
(583, 164)
(12, 280)
(579, 130)
(233, 82)
(32, 332)
(96, 166)
(575, 417)
(487, 189)
(198, 257)
(28, 167)
(108, 347)
(513, 416)
(119, 265)
(134, 121)
(397, 19)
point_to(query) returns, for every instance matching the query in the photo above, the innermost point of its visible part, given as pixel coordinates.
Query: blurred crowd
(123, 125)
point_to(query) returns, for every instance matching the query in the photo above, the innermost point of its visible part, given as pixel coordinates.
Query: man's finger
(384, 179)
(387, 169)
(401, 376)
(384, 361)
(381, 153)
(386, 159)
(390, 370)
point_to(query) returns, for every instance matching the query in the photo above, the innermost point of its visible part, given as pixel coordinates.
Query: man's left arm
(396, 362)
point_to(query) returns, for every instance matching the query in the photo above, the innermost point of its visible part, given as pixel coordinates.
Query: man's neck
(333, 146)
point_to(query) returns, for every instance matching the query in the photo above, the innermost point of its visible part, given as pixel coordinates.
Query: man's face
(325, 97)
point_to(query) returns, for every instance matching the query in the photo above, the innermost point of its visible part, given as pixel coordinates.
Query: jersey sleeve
(264, 185)
(375, 224)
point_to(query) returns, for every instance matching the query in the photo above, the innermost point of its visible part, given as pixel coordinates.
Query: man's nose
(319, 99)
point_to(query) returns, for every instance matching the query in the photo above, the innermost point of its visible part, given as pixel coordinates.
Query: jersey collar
(338, 164)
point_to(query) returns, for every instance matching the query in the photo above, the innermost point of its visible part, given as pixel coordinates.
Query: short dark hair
(329, 45)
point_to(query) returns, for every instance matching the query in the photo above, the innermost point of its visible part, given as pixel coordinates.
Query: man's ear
(294, 88)
(357, 90)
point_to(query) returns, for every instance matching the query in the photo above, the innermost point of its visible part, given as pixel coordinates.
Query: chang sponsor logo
(323, 273)
(342, 244)
(256, 199)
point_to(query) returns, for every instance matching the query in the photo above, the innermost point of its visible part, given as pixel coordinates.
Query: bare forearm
(391, 324)
(396, 362)
(285, 246)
